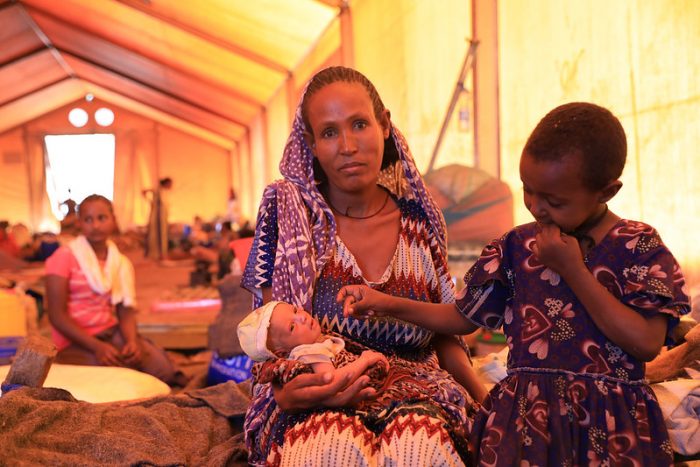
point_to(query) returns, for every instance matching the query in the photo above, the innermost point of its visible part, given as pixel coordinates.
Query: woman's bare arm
(314, 390)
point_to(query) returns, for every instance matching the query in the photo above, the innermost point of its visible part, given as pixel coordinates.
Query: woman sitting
(353, 209)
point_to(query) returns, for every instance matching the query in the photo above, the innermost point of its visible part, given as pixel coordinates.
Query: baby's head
(571, 163)
(274, 329)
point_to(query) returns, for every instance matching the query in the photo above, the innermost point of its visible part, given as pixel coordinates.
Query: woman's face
(347, 139)
(97, 221)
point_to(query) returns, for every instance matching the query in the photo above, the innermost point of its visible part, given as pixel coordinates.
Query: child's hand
(107, 355)
(373, 358)
(131, 354)
(360, 301)
(556, 250)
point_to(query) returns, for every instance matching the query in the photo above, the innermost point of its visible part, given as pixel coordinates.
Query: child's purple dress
(571, 397)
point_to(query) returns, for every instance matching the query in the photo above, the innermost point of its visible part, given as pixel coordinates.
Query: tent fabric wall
(249, 199)
(637, 58)
(258, 172)
(145, 152)
(200, 175)
(14, 183)
(412, 51)
(278, 125)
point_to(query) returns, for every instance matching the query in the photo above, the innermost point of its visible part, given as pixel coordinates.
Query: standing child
(584, 298)
(86, 282)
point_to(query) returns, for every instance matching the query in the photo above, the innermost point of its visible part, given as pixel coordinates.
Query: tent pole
(459, 88)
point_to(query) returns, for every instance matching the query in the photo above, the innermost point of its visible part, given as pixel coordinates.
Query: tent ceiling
(209, 64)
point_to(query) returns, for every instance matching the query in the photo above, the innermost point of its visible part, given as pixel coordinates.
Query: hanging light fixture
(79, 117)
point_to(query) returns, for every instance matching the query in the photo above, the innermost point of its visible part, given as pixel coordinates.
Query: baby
(281, 330)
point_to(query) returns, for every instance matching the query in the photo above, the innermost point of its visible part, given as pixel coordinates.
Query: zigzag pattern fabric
(318, 439)
(417, 270)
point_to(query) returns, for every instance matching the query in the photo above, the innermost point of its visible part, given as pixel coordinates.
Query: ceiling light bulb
(104, 116)
(78, 117)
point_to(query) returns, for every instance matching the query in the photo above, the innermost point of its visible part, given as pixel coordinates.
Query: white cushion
(101, 383)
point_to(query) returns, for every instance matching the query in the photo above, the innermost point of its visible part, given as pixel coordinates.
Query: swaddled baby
(281, 330)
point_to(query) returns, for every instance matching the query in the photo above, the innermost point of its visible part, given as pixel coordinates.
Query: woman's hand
(131, 354)
(361, 301)
(107, 354)
(315, 390)
(372, 357)
(556, 250)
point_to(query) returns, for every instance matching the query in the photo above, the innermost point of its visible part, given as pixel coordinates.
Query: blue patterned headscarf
(306, 227)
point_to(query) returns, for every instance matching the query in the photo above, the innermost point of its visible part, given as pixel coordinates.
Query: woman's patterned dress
(571, 397)
(421, 406)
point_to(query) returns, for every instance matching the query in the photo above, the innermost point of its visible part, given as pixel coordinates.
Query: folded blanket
(678, 362)
(47, 426)
(680, 404)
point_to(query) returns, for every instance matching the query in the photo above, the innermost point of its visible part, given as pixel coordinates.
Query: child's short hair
(93, 198)
(586, 129)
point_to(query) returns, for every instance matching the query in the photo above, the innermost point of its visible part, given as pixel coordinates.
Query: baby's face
(291, 326)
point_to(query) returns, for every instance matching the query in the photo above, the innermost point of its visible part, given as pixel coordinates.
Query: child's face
(291, 326)
(554, 193)
(96, 221)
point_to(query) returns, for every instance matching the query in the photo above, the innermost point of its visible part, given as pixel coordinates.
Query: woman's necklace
(336, 210)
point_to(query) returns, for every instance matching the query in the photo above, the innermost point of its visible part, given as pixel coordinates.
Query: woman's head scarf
(306, 227)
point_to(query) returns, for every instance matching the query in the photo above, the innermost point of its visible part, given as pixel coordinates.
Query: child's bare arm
(637, 335)
(354, 369)
(361, 301)
(453, 359)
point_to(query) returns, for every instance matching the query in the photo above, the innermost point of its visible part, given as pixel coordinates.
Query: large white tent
(204, 91)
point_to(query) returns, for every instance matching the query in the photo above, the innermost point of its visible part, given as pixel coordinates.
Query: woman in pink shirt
(91, 300)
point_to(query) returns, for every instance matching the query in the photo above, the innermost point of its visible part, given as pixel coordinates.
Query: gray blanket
(48, 426)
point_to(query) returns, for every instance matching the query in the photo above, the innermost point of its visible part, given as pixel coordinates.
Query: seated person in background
(217, 250)
(246, 230)
(23, 239)
(200, 232)
(87, 281)
(10, 255)
(281, 330)
(8, 245)
(45, 245)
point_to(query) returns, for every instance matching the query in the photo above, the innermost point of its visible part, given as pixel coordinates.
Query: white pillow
(101, 383)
